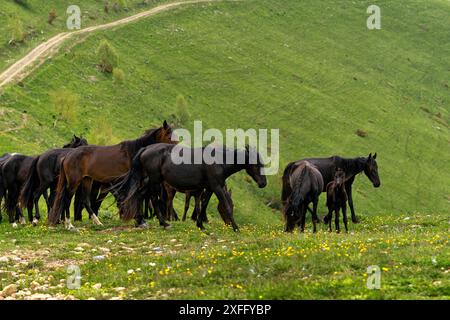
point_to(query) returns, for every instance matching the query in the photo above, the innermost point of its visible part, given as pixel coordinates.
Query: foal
(337, 199)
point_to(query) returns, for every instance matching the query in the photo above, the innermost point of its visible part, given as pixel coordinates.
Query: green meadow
(309, 68)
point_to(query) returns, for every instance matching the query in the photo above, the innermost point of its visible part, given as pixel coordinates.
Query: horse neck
(352, 166)
(133, 146)
(230, 169)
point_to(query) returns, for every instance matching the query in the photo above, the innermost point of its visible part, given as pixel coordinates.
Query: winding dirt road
(22, 68)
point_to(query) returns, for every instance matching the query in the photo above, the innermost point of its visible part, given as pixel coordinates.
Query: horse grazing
(43, 175)
(104, 164)
(306, 183)
(337, 199)
(326, 166)
(154, 165)
(3, 159)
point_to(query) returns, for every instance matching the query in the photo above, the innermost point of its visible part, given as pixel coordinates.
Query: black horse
(306, 184)
(15, 172)
(326, 166)
(43, 175)
(337, 199)
(155, 162)
(3, 159)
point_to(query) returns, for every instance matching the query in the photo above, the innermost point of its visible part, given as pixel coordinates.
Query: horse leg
(86, 184)
(204, 204)
(330, 214)
(197, 206)
(170, 193)
(348, 189)
(155, 191)
(78, 205)
(67, 223)
(225, 200)
(336, 220)
(187, 201)
(344, 214)
(19, 216)
(315, 219)
(302, 218)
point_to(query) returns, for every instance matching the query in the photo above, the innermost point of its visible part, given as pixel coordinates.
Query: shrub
(21, 2)
(101, 133)
(106, 7)
(122, 4)
(52, 15)
(182, 111)
(107, 56)
(65, 103)
(119, 75)
(17, 31)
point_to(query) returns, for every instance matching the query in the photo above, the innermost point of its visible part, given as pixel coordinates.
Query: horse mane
(133, 146)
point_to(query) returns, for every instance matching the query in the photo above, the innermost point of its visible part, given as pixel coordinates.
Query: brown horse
(105, 164)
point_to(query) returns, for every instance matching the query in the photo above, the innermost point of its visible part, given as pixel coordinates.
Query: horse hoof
(35, 222)
(14, 225)
(355, 220)
(22, 221)
(143, 225)
(167, 227)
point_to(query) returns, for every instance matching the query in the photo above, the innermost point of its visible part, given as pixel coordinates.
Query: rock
(9, 290)
(34, 285)
(97, 258)
(97, 286)
(4, 259)
(119, 289)
(131, 271)
(80, 249)
(39, 296)
(105, 250)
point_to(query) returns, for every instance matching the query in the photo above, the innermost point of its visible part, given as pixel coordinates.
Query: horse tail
(297, 196)
(60, 199)
(129, 188)
(26, 194)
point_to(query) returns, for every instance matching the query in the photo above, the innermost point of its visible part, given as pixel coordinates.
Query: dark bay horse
(306, 184)
(15, 172)
(326, 166)
(337, 199)
(104, 164)
(155, 165)
(43, 175)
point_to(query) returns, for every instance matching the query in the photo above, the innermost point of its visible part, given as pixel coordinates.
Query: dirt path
(20, 69)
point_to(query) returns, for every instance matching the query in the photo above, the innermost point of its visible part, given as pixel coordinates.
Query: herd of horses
(143, 179)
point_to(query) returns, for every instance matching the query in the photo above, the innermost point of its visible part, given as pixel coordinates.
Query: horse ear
(375, 156)
(370, 155)
(165, 125)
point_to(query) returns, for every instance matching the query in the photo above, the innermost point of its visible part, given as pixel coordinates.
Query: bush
(17, 31)
(107, 56)
(119, 75)
(182, 111)
(52, 15)
(21, 2)
(101, 133)
(65, 103)
(361, 133)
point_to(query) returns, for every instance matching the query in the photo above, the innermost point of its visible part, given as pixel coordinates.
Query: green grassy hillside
(33, 17)
(309, 68)
(313, 71)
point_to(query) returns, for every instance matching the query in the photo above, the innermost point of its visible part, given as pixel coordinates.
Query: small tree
(182, 111)
(17, 31)
(107, 56)
(52, 15)
(65, 103)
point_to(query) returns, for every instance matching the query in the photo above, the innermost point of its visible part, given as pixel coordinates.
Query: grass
(261, 262)
(311, 69)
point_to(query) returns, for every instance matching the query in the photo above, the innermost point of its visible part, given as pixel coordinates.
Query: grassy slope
(310, 69)
(34, 19)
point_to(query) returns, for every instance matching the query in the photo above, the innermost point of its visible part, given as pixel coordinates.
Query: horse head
(371, 170)
(254, 166)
